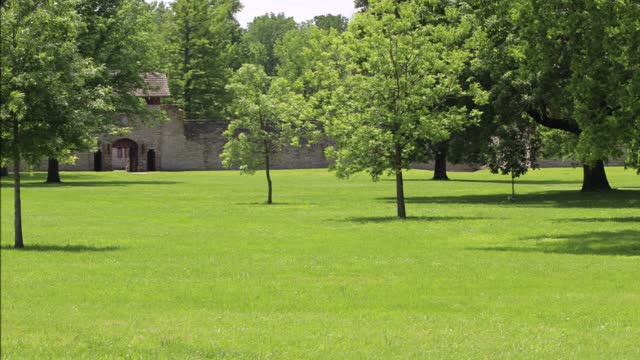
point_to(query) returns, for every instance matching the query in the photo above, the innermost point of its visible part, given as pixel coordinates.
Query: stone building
(177, 145)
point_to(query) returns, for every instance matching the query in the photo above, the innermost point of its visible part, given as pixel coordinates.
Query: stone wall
(181, 145)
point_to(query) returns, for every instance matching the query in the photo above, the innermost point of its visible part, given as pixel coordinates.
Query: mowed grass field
(194, 265)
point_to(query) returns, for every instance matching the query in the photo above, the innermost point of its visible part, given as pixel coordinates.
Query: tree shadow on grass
(629, 219)
(563, 199)
(256, 203)
(62, 248)
(388, 219)
(497, 181)
(618, 243)
(38, 180)
(93, 184)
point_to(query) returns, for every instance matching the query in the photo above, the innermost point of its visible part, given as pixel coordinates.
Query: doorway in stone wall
(124, 155)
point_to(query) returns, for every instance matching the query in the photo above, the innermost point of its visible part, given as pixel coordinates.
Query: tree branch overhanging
(552, 123)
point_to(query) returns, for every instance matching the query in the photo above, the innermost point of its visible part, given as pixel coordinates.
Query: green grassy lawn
(194, 265)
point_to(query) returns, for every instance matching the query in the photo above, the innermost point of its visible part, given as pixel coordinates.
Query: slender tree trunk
(399, 184)
(53, 171)
(267, 166)
(440, 172)
(4, 171)
(595, 178)
(513, 187)
(19, 244)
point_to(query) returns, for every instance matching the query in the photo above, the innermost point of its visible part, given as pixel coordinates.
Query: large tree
(204, 38)
(401, 69)
(268, 116)
(44, 86)
(574, 68)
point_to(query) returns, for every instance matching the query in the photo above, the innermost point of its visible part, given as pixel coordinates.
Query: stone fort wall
(181, 145)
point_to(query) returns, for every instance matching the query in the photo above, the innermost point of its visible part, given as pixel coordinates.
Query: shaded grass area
(572, 199)
(195, 265)
(621, 243)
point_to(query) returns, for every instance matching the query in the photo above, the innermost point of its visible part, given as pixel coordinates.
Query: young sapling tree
(268, 116)
(515, 149)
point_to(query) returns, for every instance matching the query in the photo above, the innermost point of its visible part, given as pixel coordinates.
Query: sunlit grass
(195, 265)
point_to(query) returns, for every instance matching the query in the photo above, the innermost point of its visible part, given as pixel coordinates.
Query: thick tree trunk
(19, 244)
(97, 161)
(4, 171)
(53, 171)
(440, 172)
(267, 163)
(399, 184)
(595, 178)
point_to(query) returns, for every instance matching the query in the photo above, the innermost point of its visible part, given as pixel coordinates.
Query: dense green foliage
(122, 37)
(260, 40)
(46, 102)
(203, 38)
(328, 22)
(178, 265)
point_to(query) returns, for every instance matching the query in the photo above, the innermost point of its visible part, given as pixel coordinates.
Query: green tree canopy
(204, 36)
(260, 39)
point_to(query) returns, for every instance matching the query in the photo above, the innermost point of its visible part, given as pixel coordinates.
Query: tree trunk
(97, 161)
(267, 166)
(595, 178)
(19, 244)
(513, 187)
(440, 172)
(53, 171)
(399, 184)
(4, 171)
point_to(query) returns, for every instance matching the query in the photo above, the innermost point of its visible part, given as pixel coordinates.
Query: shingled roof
(157, 86)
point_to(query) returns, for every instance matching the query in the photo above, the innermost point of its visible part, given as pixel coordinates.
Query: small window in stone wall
(124, 121)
